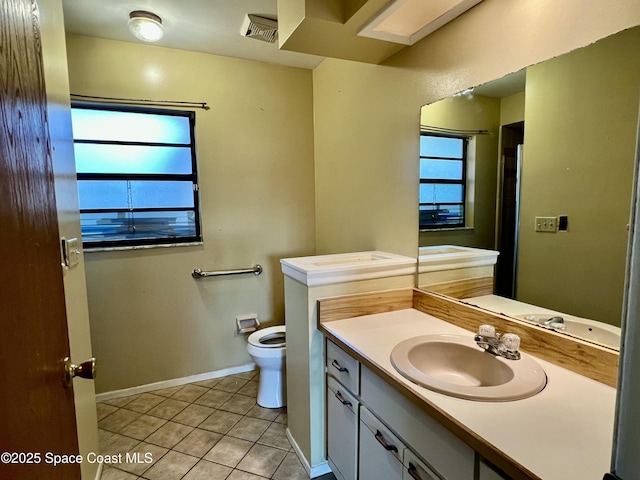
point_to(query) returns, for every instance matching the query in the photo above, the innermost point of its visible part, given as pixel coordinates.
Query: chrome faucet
(505, 346)
(556, 322)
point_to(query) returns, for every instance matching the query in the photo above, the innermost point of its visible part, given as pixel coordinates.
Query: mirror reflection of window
(443, 168)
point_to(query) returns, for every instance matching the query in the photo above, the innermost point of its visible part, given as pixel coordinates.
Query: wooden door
(37, 415)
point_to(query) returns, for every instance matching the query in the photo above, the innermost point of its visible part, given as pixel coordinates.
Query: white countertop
(563, 433)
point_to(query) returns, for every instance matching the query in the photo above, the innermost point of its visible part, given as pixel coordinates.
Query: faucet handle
(511, 342)
(487, 331)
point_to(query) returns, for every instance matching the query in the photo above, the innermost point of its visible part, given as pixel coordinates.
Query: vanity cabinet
(374, 432)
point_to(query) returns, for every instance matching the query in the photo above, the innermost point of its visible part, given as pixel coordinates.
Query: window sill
(445, 229)
(142, 247)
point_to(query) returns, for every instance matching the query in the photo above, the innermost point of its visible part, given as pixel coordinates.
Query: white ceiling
(209, 26)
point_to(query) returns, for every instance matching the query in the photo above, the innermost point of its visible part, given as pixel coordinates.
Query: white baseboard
(101, 397)
(313, 471)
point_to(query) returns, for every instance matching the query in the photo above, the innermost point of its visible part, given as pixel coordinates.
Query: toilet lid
(270, 337)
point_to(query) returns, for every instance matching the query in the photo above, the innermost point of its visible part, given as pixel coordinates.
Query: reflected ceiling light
(146, 26)
(408, 21)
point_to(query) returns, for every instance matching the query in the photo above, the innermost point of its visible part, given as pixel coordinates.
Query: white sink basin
(580, 327)
(454, 365)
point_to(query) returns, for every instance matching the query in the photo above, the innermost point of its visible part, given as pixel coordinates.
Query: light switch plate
(70, 251)
(546, 224)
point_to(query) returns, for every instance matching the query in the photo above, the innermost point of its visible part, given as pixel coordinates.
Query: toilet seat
(270, 337)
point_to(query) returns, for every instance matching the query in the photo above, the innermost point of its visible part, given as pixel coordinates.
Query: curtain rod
(132, 101)
(431, 128)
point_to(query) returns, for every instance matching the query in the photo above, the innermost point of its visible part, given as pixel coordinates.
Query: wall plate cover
(70, 251)
(546, 224)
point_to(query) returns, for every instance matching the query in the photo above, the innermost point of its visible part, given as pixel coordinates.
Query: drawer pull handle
(339, 367)
(413, 472)
(383, 442)
(342, 399)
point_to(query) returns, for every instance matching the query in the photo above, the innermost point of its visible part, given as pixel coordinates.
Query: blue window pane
(129, 126)
(97, 227)
(99, 158)
(116, 194)
(441, 169)
(441, 147)
(441, 193)
(441, 216)
(102, 194)
(149, 194)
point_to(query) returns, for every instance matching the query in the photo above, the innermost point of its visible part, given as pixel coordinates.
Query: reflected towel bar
(197, 273)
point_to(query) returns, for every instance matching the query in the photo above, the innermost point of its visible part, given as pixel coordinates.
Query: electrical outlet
(546, 224)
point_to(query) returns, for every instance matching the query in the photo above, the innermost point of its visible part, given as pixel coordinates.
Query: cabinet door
(342, 430)
(379, 450)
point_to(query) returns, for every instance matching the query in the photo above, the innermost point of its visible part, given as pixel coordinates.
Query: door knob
(84, 370)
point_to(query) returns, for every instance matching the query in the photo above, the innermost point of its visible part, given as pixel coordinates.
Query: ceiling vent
(260, 28)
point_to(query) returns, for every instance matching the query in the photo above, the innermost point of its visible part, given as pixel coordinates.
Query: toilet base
(272, 388)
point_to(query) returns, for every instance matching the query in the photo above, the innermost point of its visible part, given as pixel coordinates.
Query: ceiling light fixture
(146, 26)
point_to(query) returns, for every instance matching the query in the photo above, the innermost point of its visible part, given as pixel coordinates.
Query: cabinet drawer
(380, 451)
(415, 469)
(342, 431)
(343, 367)
(449, 456)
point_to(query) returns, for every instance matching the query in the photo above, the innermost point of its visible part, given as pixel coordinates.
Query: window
(443, 173)
(137, 176)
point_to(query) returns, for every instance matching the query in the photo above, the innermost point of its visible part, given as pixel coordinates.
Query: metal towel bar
(197, 273)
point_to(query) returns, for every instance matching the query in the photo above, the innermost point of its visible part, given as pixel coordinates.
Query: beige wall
(366, 116)
(512, 109)
(580, 135)
(470, 112)
(59, 114)
(150, 321)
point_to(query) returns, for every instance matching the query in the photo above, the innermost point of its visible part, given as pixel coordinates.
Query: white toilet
(267, 348)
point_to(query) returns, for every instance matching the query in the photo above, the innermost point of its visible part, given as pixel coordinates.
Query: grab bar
(197, 273)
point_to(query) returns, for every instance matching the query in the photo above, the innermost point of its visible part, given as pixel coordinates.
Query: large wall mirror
(547, 167)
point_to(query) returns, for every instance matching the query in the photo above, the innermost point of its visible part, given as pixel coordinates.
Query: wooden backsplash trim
(590, 360)
(466, 288)
(584, 358)
(357, 305)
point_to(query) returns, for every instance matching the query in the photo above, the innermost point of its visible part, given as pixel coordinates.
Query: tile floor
(211, 430)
